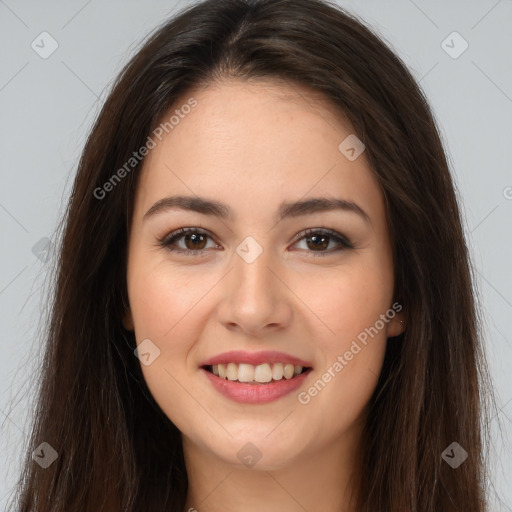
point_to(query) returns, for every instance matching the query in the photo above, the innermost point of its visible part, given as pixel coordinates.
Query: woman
(264, 296)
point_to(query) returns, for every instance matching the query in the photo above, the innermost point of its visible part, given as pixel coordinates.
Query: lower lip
(255, 393)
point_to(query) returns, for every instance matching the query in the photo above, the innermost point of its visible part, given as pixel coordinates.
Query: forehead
(250, 144)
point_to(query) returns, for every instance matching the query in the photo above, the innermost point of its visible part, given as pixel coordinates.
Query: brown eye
(318, 241)
(194, 241)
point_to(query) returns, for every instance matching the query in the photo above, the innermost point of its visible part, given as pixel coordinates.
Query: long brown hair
(116, 448)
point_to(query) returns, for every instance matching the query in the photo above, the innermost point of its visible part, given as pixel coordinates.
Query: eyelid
(325, 231)
(179, 233)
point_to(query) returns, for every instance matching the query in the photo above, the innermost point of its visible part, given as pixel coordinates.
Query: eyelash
(169, 239)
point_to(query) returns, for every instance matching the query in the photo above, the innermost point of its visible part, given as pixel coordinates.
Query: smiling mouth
(258, 375)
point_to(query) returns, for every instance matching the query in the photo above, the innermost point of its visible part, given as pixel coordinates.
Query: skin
(252, 146)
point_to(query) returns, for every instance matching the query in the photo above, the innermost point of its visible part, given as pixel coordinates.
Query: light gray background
(47, 107)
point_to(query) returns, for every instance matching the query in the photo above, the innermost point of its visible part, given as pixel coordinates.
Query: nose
(257, 299)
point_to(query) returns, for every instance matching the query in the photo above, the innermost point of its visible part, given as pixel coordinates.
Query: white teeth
(245, 372)
(277, 371)
(232, 371)
(288, 371)
(262, 373)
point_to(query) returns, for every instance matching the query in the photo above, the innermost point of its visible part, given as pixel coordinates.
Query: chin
(257, 451)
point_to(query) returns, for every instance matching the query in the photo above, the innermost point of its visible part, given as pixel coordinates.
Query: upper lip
(255, 358)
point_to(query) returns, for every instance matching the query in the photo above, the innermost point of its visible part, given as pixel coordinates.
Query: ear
(128, 320)
(397, 325)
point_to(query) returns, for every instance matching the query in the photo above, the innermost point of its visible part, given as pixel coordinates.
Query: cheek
(165, 305)
(162, 299)
(338, 396)
(348, 300)
(168, 308)
(353, 340)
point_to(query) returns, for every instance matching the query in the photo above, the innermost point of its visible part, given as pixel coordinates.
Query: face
(258, 274)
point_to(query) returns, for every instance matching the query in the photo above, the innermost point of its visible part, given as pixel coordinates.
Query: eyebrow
(286, 209)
